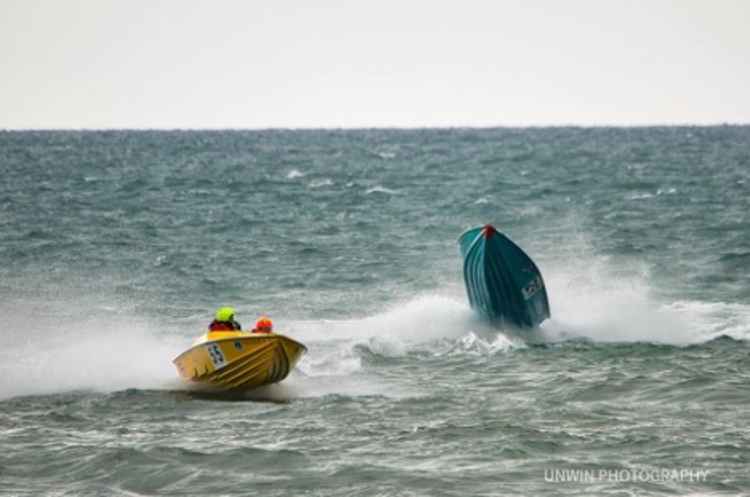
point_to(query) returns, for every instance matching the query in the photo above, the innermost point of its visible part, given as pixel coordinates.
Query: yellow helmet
(225, 314)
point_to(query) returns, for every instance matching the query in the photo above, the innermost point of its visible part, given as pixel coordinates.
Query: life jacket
(222, 326)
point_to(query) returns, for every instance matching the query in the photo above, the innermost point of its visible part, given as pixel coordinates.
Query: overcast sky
(295, 63)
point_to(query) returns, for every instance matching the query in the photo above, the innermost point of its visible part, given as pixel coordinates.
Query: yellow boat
(239, 360)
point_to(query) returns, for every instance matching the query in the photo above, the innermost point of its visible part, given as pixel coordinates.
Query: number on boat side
(531, 288)
(217, 357)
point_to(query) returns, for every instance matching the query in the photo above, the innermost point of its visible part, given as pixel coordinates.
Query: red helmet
(264, 325)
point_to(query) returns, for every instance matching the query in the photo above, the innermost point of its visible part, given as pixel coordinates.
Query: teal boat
(503, 283)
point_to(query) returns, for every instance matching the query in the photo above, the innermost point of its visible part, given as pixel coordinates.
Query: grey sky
(285, 63)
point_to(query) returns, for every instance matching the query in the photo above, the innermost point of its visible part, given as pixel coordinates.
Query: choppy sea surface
(116, 247)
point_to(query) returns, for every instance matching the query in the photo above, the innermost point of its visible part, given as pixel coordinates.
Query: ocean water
(116, 247)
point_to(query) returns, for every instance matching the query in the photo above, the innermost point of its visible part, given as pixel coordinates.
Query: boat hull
(503, 284)
(239, 360)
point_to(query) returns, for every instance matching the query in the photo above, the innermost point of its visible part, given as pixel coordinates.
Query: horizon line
(383, 128)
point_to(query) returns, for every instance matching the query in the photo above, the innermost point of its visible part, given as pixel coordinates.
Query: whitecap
(321, 183)
(381, 189)
(639, 196)
(474, 344)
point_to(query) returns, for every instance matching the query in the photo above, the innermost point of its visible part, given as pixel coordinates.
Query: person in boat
(263, 325)
(224, 320)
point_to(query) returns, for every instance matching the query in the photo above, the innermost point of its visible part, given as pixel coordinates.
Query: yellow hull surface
(238, 360)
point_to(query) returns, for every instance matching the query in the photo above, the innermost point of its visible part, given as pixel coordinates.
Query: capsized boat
(502, 282)
(239, 360)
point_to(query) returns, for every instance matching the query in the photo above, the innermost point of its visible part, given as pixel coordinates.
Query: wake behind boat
(239, 360)
(502, 282)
